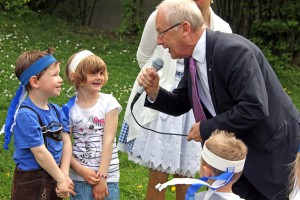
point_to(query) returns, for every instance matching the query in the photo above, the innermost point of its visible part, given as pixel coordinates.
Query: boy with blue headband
(41, 141)
(222, 162)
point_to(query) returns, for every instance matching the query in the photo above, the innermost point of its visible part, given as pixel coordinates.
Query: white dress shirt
(199, 54)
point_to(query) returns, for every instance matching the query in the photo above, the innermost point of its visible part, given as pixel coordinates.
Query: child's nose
(60, 79)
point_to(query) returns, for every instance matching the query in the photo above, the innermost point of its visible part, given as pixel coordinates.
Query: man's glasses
(160, 34)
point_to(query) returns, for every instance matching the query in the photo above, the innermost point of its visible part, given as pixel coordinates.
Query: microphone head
(157, 64)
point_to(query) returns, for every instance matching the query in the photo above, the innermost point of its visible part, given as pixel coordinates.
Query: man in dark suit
(239, 92)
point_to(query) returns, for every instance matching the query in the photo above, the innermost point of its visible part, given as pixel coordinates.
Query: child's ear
(33, 81)
(72, 76)
(207, 171)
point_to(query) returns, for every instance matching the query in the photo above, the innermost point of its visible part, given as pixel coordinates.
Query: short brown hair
(26, 59)
(89, 65)
(225, 145)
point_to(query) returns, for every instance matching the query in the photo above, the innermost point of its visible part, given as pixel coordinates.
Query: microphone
(157, 64)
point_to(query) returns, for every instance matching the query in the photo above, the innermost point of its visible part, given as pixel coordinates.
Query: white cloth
(295, 194)
(88, 131)
(218, 24)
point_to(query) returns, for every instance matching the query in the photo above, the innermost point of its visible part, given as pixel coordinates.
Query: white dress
(167, 153)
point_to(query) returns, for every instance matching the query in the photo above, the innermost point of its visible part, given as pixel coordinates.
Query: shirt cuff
(150, 100)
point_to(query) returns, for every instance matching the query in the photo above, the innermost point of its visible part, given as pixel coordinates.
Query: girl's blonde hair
(225, 145)
(26, 59)
(89, 65)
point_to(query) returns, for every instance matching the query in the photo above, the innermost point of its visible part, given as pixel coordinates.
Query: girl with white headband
(41, 141)
(93, 121)
(222, 162)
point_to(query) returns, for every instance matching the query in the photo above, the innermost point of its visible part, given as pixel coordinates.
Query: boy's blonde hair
(295, 173)
(225, 145)
(26, 59)
(89, 65)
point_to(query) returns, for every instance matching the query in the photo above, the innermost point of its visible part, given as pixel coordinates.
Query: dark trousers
(33, 185)
(246, 190)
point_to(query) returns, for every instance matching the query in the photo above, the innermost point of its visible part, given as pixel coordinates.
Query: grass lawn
(33, 31)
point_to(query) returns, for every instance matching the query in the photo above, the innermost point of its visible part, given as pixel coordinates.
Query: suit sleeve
(173, 103)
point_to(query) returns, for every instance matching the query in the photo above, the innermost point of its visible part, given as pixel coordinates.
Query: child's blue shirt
(28, 134)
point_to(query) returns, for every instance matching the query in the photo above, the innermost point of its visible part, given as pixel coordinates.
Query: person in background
(93, 121)
(230, 86)
(163, 154)
(41, 140)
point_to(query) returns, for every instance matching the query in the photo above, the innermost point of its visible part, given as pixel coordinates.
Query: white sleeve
(218, 24)
(148, 41)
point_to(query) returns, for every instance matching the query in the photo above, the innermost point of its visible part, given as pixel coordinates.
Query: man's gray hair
(182, 10)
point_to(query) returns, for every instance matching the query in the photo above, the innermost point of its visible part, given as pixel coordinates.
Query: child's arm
(47, 162)
(110, 128)
(66, 160)
(87, 174)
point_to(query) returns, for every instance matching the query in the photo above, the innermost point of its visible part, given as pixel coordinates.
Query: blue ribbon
(10, 116)
(227, 177)
(36, 67)
(299, 149)
(33, 70)
(66, 108)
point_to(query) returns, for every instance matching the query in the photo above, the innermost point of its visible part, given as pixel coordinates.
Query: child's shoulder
(106, 96)
(55, 106)
(109, 100)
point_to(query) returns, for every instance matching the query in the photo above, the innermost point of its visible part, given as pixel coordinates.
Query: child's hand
(70, 185)
(100, 191)
(89, 175)
(62, 189)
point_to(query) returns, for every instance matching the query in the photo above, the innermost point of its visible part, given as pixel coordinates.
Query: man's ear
(33, 81)
(186, 27)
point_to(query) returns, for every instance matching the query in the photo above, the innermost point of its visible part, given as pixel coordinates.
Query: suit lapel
(210, 35)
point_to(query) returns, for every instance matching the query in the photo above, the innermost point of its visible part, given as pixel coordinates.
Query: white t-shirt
(88, 130)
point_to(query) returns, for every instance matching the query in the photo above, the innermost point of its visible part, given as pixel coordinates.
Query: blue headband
(36, 68)
(20, 95)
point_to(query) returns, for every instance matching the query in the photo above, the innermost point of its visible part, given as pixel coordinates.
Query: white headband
(78, 58)
(220, 163)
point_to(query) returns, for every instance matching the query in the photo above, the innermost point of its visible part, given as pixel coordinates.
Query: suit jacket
(249, 101)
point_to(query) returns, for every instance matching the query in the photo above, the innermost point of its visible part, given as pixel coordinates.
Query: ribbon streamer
(196, 184)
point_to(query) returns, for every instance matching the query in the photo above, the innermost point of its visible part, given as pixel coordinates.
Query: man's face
(168, 34)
